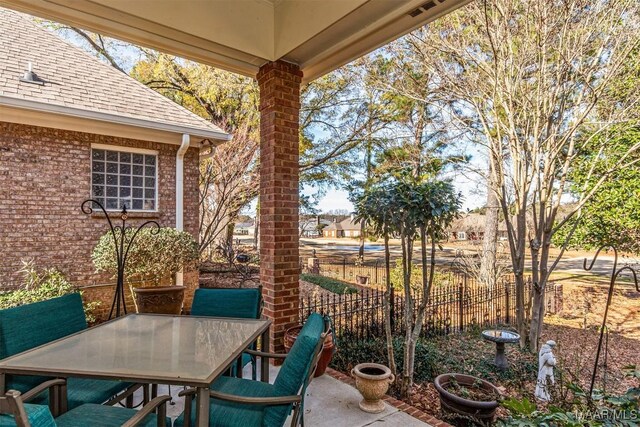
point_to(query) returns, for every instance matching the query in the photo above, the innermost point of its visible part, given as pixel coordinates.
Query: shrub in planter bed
(354, 351)
(42, 285)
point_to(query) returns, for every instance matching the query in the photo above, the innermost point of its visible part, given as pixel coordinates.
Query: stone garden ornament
(546, 361)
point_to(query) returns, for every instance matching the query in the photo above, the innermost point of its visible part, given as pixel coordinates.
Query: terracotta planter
(328, 348)
(481, 410)
(372, 381)
(362, 280)
(159, 299)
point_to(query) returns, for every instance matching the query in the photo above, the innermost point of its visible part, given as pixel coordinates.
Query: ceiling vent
(428, 5)
(30, 77)
(423, 8)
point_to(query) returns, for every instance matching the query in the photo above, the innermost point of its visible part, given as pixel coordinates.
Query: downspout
(180, 192)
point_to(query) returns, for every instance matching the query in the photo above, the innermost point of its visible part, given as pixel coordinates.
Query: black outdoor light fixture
(118, 232)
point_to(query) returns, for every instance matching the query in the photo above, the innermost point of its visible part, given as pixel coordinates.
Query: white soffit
(242, 35)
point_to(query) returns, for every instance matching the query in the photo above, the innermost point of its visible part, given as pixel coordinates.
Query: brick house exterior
(47, 133)
(279, 84)
(345, 228)
(44, 222)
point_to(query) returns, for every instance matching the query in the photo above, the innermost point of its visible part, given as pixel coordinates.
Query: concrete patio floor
(328, 403)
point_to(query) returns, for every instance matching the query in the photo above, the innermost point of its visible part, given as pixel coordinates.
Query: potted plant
(372, 381)
(467, 397)
(328, 348)
(154, 258)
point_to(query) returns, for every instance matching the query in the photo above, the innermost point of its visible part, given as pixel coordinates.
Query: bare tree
(522, 78)
(527, 75)
(228, 182)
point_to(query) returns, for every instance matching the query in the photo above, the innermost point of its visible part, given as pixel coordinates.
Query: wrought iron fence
(452, 307)
(347, 270)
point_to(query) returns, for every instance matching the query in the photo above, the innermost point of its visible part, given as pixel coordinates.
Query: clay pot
(159, 299)
(372, 381)
(481, 410)
(328, 348)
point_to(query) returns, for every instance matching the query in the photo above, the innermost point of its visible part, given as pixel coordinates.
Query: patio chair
(245, 303)
(28, 326)
(237, 401)
(14, 412)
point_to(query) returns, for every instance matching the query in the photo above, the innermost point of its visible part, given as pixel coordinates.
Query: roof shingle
(73, 78)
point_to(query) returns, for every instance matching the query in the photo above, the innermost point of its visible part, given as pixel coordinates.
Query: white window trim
(129, 150)
(124, 149)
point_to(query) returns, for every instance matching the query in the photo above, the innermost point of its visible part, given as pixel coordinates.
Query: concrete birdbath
(501, 337)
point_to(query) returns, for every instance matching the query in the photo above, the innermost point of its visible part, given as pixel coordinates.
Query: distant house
(244, 228)
(312, 227)
(471, 227)
(345, 228)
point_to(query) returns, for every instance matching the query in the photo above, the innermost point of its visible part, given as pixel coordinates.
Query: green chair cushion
(86, 390)
(295, 368)
(31, 325)
(39, 416)
(102, 416)
(228, 414)
(27, 326)
(235, 303)
(290, 380)
(298, 362)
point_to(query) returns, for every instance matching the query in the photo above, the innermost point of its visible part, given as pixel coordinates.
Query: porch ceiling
(242, 35)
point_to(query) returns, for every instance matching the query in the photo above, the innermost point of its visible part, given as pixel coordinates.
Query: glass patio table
(147, 348)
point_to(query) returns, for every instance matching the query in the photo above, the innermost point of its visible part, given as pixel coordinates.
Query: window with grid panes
(122, 178)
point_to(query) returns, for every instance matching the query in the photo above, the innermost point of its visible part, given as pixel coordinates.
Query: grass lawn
(332, 285)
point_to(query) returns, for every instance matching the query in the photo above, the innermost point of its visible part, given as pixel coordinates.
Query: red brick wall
(45, 175)
(279, 84)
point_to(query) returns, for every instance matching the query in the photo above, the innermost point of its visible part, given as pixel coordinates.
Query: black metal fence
(452, 307)
(347, 270)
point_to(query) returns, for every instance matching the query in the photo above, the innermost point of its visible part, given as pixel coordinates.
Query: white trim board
(104, 121)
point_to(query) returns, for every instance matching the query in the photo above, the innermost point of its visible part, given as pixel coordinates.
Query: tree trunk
(361, 248)
(407, 264)
(488, 270)
(388, 312)
(367, 166)
(517, 248)
(409, 360)
(256, 229)
(541, 278)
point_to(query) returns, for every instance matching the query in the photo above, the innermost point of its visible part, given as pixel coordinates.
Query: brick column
(279, 84)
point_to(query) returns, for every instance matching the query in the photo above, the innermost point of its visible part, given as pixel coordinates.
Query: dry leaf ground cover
(575, 351)
(468, 353)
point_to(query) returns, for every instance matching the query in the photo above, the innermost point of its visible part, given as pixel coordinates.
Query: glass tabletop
(147, 348)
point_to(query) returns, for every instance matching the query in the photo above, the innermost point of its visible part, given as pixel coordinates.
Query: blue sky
(333, 198)
(472, 192)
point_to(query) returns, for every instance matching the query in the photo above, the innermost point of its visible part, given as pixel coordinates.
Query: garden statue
(545, 370)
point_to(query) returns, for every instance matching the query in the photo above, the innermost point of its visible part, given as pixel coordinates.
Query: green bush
(464, 353)
(154, 254)
(416, 277)
(41, 285)
(332, 285)
(352, 351)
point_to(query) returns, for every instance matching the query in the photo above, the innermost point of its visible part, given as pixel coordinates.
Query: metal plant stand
(121, 246)
(615, 272)
(501, 337)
